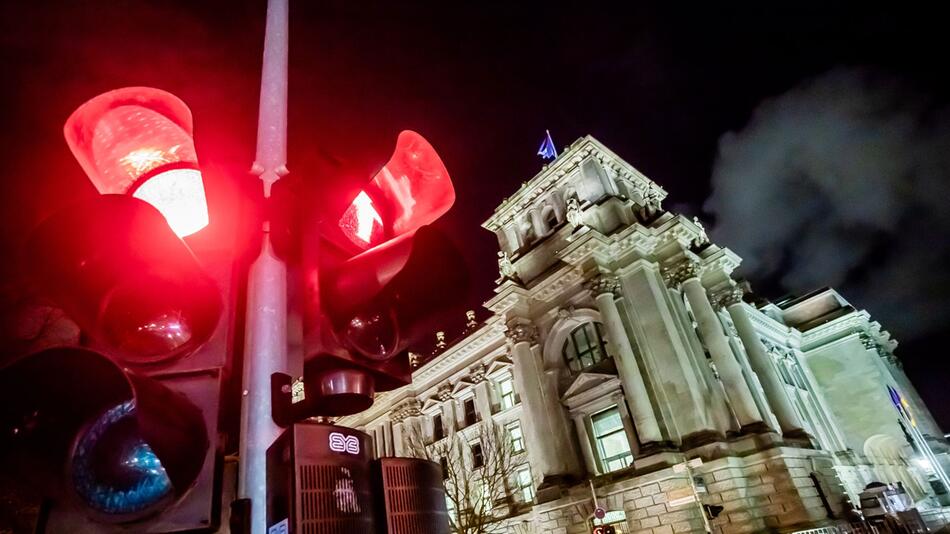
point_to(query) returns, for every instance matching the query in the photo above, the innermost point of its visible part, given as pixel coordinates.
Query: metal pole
(265, 350)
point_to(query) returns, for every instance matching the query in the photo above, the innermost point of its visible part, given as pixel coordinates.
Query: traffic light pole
(265, 350)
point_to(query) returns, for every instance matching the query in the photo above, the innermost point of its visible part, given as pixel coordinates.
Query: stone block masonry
(768, 491)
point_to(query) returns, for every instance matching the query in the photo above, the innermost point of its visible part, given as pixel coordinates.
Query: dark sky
(660, 86)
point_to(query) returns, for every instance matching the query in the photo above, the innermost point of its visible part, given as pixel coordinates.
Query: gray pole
(265, 343)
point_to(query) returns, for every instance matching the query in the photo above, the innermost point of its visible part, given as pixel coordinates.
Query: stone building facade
(620, 346)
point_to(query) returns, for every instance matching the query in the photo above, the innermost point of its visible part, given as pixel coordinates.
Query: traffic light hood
(139, 141)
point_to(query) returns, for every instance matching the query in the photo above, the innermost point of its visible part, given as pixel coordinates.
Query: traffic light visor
(139, 140)
(413, 189)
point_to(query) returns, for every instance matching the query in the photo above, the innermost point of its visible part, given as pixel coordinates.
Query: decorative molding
(405, 409)
(519, 332)
(444, 392)
(477, 372)
(602, 283)
(677, 273)
(726, 297)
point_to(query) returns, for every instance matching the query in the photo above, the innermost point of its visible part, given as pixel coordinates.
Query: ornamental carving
(403, 410)
(477, 372)
(727, 297)
(681, 271)
(601, 284)
(444, 392)
(522, 332)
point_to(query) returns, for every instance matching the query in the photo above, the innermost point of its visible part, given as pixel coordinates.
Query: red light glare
(361, 222)
(139, 139)
(413, 189)
(180, 196)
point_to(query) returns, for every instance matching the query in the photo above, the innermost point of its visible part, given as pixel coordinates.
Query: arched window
(584, 348)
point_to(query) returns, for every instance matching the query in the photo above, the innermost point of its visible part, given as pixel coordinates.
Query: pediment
(585, 382)
(461, 386)
(429, 404)
(503, 362)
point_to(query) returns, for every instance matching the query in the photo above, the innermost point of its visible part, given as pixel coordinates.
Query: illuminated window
(478, 457)
(585, 348)
(525, 483)
(611, 439)
(506, 391)
(516, 436)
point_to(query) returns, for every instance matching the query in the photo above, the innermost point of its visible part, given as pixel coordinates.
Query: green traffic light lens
(114, 471)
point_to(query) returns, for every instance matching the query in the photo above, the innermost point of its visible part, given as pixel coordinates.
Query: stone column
(387, 438)
(548, 438)
(448, 408)
(644, 418)
(791, 425)
(482, 391)
(686, 275)
(399, 443)
(590, 461)
(407, 435)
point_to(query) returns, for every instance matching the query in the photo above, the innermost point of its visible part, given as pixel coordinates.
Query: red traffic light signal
(139, 140)
(374, 278)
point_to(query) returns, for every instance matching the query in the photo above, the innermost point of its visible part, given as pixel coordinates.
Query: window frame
(511, 395)
(525, 488)
(605, 462)
(465, 412)
(595, 350)
(438, 427)
(508, 429)
(478, 460)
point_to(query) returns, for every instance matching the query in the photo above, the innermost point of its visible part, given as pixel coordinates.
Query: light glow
(180, 196)
(361, 222)
(413, 189)
(139, 140)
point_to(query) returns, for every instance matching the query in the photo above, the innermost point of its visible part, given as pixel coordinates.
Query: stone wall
(769, 491)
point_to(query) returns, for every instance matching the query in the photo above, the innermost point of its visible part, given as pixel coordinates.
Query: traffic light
(375, 276)
(121, 434)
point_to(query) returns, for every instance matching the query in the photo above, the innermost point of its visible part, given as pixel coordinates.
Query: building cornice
(557, 172)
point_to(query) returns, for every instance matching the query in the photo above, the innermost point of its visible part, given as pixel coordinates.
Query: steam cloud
(844, 181)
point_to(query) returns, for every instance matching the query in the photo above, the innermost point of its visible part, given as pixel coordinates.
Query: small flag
(547, 150)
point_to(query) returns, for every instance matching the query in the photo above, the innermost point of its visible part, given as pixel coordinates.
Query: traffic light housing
(375, 276)
(123, 432)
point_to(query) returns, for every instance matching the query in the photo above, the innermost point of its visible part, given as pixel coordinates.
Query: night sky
(833, 118)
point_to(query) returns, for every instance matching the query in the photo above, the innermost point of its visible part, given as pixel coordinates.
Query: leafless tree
(480, 497)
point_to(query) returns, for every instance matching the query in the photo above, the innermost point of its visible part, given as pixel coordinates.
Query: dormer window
(585, 347)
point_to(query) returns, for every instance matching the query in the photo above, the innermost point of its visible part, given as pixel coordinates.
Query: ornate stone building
(620, 345)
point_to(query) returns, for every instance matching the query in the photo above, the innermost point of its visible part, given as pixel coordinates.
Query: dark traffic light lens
(114, 471)
(374, 334)
(149, 319)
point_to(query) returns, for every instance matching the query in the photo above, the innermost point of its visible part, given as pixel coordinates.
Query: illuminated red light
(413, 189)
(139, 140)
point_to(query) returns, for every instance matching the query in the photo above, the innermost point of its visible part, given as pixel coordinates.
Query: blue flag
(547, 150)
